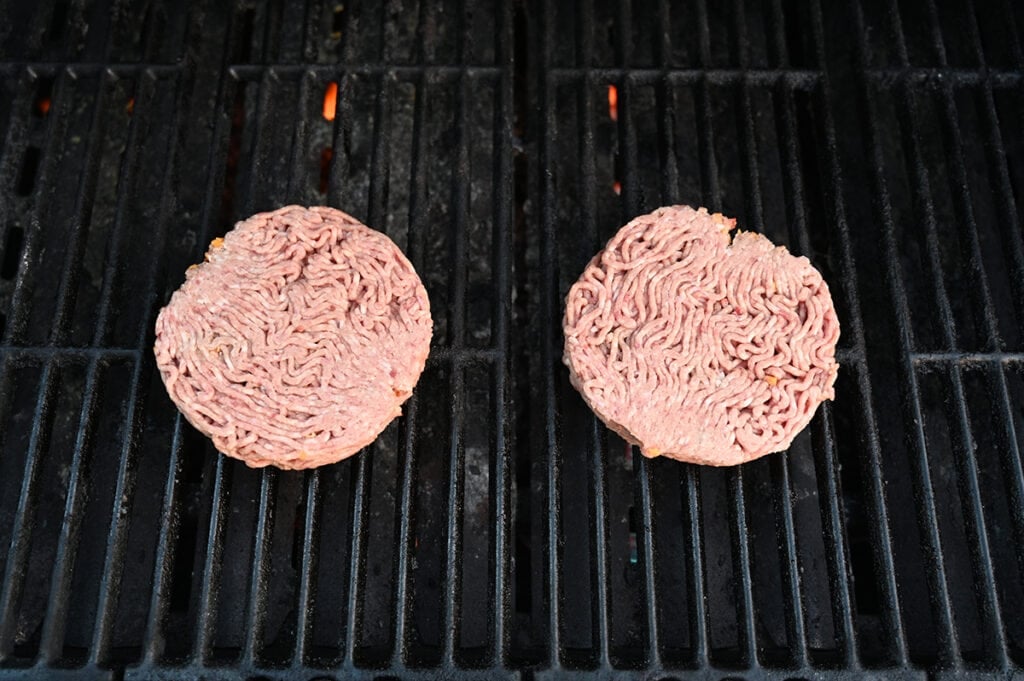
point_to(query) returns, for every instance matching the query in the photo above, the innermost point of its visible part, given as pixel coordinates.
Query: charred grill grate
(497, 529)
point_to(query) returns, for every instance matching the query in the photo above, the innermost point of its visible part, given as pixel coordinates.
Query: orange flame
(613, 102)
(330, 101)
(43, 106)
(617, 187)
(130, 106)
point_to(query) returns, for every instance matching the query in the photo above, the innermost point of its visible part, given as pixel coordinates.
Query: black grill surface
(498, 530)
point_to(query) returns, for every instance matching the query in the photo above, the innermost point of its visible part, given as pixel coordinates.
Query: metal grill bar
(402, 590)
(712, 191)
(169, 525)
(67, 547)
(968, 469)
(164, 559)
(741, 557)
(356, 561)
(41, 354)
(257, 601)
(550, 306)
(948, 647)
(210, 585)
(796, 630)
(748, 145)
(127, 170)
(416, 247)
(873, 470)
(994, 75)
(1012, 236)
(695, 569)
(967, 219)
(599, 517)
(653, 642)
(14, 140)
(82, 211)
(16, 316)
(17, 555)
(310, 561)
(827, 469)
(642, 473)
(703, 33)
(110, 586)
(1012, 464)
(928, 520)
(669, 165)
(681, 76)
(796, 627)
(306, 593)
(453, 575)
(1005, 193)
(213, 557)
(967, 359)
(923, 196)
(994, 639)
(984, 578)
(503, 245)
(53, 633)
(600, 567)
(1018, 54)
(452, 604)
(379, 167)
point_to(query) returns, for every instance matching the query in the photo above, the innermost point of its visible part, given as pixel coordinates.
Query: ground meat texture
(298, 339)
(700, 349)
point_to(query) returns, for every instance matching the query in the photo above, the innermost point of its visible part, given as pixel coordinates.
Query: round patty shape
(298, 339)
(696, 348)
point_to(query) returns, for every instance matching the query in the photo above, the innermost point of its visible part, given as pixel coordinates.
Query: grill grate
(497, 528)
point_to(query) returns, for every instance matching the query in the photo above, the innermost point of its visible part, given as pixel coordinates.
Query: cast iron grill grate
(497, 529)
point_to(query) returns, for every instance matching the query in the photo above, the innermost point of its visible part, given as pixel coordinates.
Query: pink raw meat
(696, 348)
(298, 340)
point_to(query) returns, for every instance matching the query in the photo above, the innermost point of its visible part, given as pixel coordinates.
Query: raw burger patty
(700, 349)
(298, 340)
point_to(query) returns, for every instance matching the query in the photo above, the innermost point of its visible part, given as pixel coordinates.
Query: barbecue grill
(498, 530)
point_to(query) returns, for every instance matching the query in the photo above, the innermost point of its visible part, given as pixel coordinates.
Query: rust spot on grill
(130, 106)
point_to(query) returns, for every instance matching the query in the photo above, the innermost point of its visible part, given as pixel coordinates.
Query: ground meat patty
(698, 349)
(298, 340)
